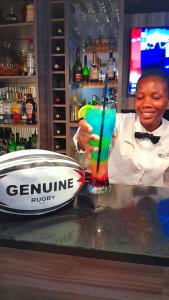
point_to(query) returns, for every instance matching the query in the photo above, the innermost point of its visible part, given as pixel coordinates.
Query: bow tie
(145, 135)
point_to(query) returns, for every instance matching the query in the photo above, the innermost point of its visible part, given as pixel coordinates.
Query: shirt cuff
(78, 149)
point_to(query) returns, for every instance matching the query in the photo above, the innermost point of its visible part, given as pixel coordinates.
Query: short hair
(156, 72)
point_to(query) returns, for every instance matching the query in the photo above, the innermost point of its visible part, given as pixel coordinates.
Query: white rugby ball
(34, 182)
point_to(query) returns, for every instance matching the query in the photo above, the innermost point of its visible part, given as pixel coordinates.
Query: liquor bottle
(16, 110)
(30, 58)
(12, 144)
(34, 140)
(77, 68)
(30, 109)
(85, 71)
(110, 67)
(115, 71)
(17, 138)
(11, 17)
(7, 110)
(94, 74)
(29, 143)
(101, 75)
(75, 108)
(22, 144)
(29, 12)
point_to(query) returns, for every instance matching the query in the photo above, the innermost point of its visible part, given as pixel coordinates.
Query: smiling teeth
(147, 114)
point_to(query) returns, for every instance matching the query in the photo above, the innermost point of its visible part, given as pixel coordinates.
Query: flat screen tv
(149, 48)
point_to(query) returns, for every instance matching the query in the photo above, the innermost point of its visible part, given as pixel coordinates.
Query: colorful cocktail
(102, 118)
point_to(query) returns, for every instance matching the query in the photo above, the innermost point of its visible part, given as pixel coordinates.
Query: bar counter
(96, 247)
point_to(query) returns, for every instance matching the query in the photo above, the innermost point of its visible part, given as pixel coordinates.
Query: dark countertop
(129, 223)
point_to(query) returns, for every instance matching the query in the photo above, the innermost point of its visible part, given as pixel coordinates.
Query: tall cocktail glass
(102, 118)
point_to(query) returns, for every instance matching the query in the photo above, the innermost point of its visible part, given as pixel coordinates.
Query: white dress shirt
(138, 161)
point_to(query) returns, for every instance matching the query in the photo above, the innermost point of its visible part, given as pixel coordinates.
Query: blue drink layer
(94, 118)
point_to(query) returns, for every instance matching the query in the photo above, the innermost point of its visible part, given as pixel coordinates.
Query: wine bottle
(59, 115)
(110, 66)
(59, 49)
(85, 70)
(94, 74)
(57, 67)
(59, 130)
(58, 100)
(58, 146)
(77, 68)
(30, 58)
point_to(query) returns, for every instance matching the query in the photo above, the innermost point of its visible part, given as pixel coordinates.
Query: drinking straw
(102, 122)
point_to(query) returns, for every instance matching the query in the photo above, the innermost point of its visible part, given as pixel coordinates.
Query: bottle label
(110, 73)
(94, 74)
(78, 77)
(29, 111)
(7, 109)
(30, 64)
(1, 108)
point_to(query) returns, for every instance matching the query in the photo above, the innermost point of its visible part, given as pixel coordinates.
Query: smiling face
(151, 101)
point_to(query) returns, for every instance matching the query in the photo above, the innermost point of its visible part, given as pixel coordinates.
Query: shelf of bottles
(18, 96)
(58, 75)
(89, 78)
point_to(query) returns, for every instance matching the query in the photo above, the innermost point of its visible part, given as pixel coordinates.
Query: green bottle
(85, 71)
(22, 144)
(17, 141)
(12, 144)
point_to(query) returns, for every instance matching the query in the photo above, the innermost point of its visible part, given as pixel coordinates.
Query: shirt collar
(138, 127)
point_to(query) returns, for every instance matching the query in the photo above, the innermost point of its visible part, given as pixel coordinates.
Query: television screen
(149, 48)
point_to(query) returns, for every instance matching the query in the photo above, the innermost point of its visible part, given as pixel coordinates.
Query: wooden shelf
(59, 105)
(74, 125)
(60, 54)
(59, 121)
(57, 19)
(19, 125)
(59, 136)
(18, 77)
(58, 89)
(58, 72)
(16, 31)
(62, 151)
(98, 86)
(15, 25)
(57, 1)
(57, 37)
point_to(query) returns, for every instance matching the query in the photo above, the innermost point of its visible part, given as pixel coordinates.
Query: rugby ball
(34, 182)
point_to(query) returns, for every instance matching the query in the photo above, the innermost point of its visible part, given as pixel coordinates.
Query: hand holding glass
(102, 118)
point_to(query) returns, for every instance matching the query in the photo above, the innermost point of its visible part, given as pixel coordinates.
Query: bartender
(139, 153)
